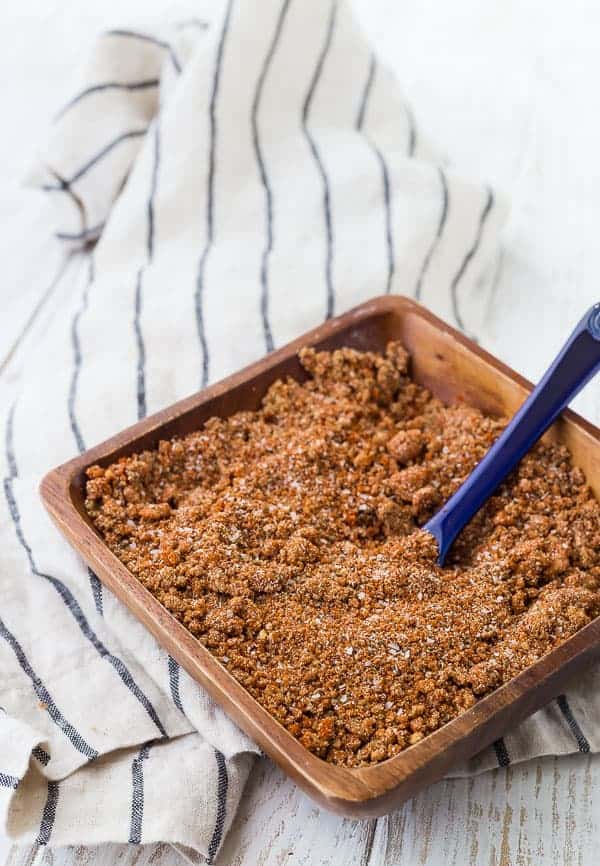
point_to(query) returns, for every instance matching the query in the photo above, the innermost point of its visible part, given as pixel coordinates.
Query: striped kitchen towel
(245, 176)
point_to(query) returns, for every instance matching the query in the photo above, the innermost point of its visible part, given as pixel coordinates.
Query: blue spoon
(573, 367)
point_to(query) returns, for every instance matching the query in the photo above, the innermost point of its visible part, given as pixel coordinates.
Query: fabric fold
(97, 134)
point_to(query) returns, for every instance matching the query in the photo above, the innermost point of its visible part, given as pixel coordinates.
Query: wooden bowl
(454, 369)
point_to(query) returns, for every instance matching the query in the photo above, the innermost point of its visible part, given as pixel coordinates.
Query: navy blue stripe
(137, 796)
(46, 698)
(65, 593)
(65, 184)
(137, 317)
(97, 592)
(412, 130)
(141, 349)
(77, 358)
(438, 234)
(582, 741)
(146, 84)
(11, 461)
(90, 234)
(174, 672)
(330, 302)
(264, 269)
(7, 781)
(502, 755)
(210, 193)
(95, 584)
(387, 198)
(222, 787)
(48, 815)
(145, 37)
(151, 198)
(56, 280)
(489, 203)
(41, 755)
(385, 176)
(364, 100)
(62, 185)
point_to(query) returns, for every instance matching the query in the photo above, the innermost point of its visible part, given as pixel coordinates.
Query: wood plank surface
(536, 814)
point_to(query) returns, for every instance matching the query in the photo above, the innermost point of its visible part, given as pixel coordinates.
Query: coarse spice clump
(287, 541)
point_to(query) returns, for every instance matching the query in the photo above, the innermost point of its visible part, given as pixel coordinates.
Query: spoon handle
(573, 367)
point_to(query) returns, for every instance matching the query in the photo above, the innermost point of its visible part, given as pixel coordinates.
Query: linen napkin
(245, 176)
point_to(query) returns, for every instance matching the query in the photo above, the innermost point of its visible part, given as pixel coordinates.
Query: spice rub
(287, 541)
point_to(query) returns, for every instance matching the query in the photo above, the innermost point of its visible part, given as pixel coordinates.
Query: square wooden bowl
(454, 369)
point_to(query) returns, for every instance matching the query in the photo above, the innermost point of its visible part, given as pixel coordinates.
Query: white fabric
(248, 175)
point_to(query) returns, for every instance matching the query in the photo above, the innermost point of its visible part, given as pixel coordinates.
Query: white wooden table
(510, 92)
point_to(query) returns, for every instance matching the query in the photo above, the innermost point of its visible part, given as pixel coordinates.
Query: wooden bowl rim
(340, 788)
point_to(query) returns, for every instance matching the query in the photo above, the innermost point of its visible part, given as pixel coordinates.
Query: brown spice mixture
(287, 541)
